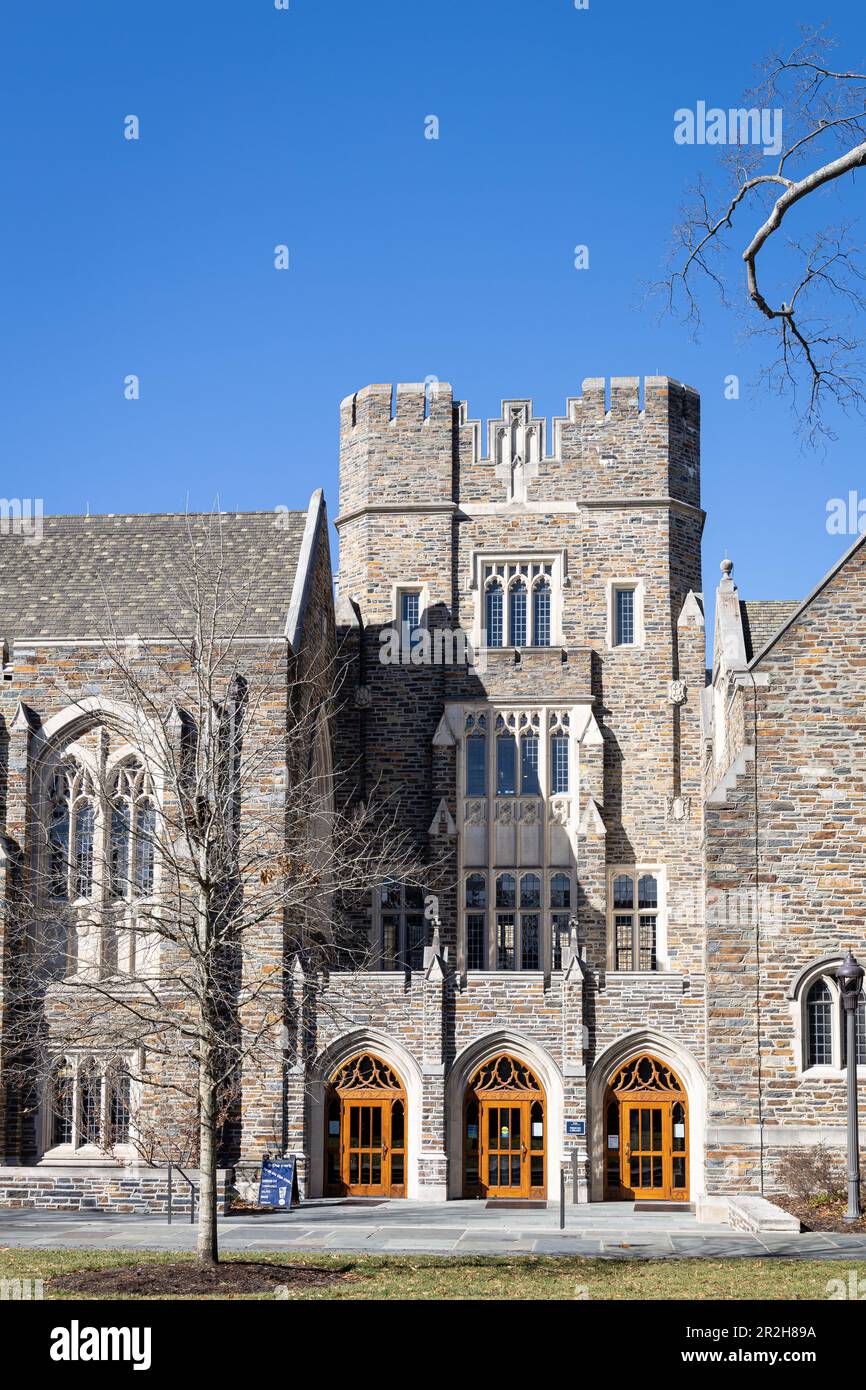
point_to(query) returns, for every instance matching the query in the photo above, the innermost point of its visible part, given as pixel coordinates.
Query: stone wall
(785, 863)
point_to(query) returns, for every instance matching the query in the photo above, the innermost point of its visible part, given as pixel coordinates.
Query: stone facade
(619, 858)
(613, 500)
(785, 867)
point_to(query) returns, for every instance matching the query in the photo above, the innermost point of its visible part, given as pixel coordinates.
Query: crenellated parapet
(624, 439)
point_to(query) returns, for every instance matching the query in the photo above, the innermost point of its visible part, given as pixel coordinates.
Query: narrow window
(518, 614)
(506, 765)
(560, 914)
(90, 1103)
(83, 865)
(476, 765)
(58, 837)
(529, 765)
(541, 614)
(145, 826)
(62, 1096)
(476, 921)
(410, 616)
(559, 763)
(648, 904)
(119, 850)
(624, 615)
(819, 1025)
(493, 614)
(118, 1117)
(623, 921)
(506, 902)
(530, 897)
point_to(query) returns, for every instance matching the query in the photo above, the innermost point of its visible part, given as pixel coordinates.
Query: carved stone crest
(678, 807)
(676, 692)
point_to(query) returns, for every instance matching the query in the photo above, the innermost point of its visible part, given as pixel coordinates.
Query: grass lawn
(476, 1277)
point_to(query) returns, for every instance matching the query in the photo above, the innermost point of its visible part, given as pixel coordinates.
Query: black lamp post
(850, 979)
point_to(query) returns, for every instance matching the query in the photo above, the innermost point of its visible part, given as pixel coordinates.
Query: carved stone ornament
(676, 692)
(678, 807)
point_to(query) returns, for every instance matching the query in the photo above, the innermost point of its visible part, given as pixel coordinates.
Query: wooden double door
(365, 1144)
(647, 1133)
(504, 1132)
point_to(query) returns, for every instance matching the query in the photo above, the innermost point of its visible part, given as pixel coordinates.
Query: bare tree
(808, 300)
(162, 943)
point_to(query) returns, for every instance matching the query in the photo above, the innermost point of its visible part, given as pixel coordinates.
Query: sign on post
(576, 1127)
(278, 1184)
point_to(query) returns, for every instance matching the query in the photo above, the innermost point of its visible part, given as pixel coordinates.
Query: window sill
(831, 1073)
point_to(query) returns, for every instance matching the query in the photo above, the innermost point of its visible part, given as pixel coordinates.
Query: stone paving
(611, 1230)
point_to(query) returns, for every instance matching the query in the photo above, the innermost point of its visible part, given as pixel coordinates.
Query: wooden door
(505, 1148)
(366, 1147)
(646, 1153)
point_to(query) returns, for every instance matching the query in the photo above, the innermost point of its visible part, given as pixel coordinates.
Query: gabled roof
(799, 608)
(89, 576)
(762, 617)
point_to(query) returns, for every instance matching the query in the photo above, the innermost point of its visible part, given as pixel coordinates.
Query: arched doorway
(365, 1130)
(646, 1132)
(504, 1131)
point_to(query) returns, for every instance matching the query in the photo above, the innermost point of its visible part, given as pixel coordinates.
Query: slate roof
(89, 574)
(762, 619)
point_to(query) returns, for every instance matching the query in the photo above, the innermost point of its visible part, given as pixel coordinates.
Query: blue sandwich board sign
(278, 1184)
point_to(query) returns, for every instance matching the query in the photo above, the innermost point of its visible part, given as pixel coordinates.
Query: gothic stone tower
(526, 638)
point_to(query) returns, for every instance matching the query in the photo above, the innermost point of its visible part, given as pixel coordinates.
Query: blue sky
(409, 257)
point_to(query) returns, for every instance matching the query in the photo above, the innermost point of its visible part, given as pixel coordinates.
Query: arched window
(541, 614)
(824, 1023)
(493, 614)
(71, 834)
(517, 614)
(132, 833)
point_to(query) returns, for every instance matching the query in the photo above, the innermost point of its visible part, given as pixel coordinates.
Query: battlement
(419, 404)
(618, 438)
(413, 403)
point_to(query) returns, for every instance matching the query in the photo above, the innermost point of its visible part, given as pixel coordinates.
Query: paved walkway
(608, 1229)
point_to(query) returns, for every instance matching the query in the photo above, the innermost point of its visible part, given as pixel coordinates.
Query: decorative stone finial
(727, 567)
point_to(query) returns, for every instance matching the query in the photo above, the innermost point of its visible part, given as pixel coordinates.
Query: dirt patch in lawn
(821, 1213)
(191, 1279)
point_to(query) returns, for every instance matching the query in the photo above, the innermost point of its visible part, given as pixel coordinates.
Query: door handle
(384, 1148)
(628, 1150)
(523, 1147)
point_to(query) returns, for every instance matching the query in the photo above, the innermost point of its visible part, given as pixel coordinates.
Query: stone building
(637, 876)
(84, 783)
(785, 854)
(527, 647)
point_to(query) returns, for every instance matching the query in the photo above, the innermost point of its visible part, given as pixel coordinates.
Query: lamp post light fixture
(850, 980)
